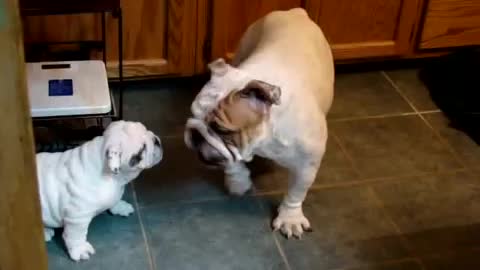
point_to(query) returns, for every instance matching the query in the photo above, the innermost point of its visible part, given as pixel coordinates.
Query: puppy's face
(234, 122)
(130, 147)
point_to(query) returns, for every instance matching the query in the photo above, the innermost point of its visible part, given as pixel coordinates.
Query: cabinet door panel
(372, 28)
(368, 28)
(157, 35)
(451, 23)
(230, 18)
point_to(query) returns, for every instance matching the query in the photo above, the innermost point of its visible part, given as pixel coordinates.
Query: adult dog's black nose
(196, 138)
(210, 155)
(206, 152)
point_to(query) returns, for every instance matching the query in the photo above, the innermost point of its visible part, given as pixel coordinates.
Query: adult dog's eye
(220, 130)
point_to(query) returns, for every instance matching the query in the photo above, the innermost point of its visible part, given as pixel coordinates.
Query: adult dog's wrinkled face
(130, 147)
(225, 131)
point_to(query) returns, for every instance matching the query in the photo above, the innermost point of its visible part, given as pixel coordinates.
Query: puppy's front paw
(291, 221)
(81, 251)
(48, 234)
(122, 208)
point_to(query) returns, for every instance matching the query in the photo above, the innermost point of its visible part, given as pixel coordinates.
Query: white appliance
(68, 88)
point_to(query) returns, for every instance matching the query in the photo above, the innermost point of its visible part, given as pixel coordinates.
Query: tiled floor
(398, 190)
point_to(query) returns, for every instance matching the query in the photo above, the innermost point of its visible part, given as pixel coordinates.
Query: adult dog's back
(288, 48)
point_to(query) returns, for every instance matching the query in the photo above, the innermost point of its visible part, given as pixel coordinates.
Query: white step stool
(68, 88)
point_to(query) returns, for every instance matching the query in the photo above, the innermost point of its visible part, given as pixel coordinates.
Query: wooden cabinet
(230, 18)
(179, 37)
(373, 28)
(369, 28)
(159, 35)
(450, 23)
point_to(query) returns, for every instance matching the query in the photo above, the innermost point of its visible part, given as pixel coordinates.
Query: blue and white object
(68, 88)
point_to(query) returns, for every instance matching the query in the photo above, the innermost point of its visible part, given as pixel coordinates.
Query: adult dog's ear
(218, 67)
(261, 95)
(113, 156)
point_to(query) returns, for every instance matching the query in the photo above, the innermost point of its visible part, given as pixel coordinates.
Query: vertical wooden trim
(407, 25)
(182, 16)
(204, 39)
(22, 245)
(312, 7)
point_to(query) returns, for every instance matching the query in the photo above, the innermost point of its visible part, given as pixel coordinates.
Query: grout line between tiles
(346, 119)
(397, 89)
(274, 236)
(186, 202)
(430, 112)
(151, 260)
(172, 136)
(366, 181)
(392, 222)
(317, 187)
(443, 141)
(383, 263)
(435, 132)
(281, 251)
(345, 152)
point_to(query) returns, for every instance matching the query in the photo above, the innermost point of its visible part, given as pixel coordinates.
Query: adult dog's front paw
(238, 185)
(81, 251)
(291, 221)
(122, 208)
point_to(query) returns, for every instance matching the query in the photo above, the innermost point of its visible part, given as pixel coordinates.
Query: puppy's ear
(113, 156)
(218, 67)
(261, 95)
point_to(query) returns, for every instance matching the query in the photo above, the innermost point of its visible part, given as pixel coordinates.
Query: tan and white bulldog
(272, 102)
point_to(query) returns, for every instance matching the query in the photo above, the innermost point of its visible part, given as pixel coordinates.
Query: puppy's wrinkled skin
(80, 183)
(272, 102)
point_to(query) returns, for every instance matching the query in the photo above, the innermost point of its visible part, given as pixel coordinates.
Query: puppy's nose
(116, 170)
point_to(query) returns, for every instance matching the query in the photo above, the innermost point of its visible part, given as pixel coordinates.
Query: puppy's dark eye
(156, 141)
(137, 158)
(134, 160)
(220, 130)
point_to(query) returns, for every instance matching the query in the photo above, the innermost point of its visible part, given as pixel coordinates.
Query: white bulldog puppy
(78, 184)
(272, 102)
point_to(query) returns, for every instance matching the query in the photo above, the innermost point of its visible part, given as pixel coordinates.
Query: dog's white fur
(78, 184)
(286, 49)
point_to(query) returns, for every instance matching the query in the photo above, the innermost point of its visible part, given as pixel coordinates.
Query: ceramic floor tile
(335, 169)
(180, 176)
(163, 106)
(435, 213)
(227, 234)
(393, 146)
(466, 260)
(118, 244)
(365, 94)
(402, 265)
(412, 87)
(349, 229)
(465, 147)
